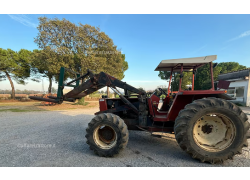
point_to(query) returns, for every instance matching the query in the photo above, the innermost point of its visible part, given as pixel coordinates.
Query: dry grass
(17, 106)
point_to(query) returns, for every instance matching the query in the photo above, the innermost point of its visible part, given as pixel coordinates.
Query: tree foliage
(230, 66)
(14, 66)
(202, 80)
(186, 80)
(47, 63)
(53, 90)
(75, 46)
(203, 76)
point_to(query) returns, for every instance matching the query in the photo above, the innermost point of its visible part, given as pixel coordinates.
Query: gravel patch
(57, 138)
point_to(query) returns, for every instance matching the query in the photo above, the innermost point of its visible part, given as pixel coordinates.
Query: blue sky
(145, 40)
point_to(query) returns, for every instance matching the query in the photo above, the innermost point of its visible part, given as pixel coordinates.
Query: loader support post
(212, 76)
(125, 100)
(193, 80)
(181, 76)
(60, 83)
(169, 84)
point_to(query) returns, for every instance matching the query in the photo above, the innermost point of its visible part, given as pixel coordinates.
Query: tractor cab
(180, 98)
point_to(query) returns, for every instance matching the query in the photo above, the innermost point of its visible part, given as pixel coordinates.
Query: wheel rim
(214, 132)
(105, 136)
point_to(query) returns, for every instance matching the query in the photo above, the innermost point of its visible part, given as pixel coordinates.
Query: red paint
(179, 103)
(103, 105)
(193, 82)
(153, 102)
(169, 84)
(161, 118)
(181, 100)
(186, 97)
(223, 84)
(200, 92)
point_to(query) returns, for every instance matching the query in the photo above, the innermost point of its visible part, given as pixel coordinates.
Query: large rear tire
(211, 130)
(107, 134)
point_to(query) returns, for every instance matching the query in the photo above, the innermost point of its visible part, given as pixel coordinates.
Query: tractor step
(160, 129)
(156, 135)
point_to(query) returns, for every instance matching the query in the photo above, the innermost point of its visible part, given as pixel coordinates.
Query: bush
(82, 102)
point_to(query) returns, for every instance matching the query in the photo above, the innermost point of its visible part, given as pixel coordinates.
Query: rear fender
(182, 99)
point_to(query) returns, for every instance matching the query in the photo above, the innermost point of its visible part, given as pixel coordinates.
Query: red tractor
(206, 125)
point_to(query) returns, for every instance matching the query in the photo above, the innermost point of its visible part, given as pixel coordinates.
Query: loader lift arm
(92, 83)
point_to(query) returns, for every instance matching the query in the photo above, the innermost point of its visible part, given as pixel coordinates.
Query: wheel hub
(207, 128)
(214, 132)
(105, 136)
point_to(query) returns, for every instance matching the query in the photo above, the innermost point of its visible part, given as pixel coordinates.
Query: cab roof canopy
(188, 63)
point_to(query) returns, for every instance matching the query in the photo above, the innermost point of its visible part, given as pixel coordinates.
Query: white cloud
(223, 48)
(196, 50)
(23, 19)
(245, 34)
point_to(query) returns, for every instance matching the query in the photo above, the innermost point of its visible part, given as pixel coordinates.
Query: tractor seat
(165, 106)
(160, 110)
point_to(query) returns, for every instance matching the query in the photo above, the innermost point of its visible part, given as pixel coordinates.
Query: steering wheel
(162, 92)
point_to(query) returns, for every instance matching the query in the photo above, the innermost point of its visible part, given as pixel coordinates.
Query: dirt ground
(18, 106)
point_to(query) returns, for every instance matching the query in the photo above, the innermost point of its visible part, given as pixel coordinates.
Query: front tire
(211, 130)
(107, 134)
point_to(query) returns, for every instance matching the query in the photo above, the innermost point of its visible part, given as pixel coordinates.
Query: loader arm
(92, 83)
(98, 81)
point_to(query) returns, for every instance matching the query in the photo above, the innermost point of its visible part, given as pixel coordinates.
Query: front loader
(206, 125)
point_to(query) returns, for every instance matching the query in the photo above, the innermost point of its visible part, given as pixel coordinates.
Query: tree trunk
(50, 84)
(12, 85)
(107, 91)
